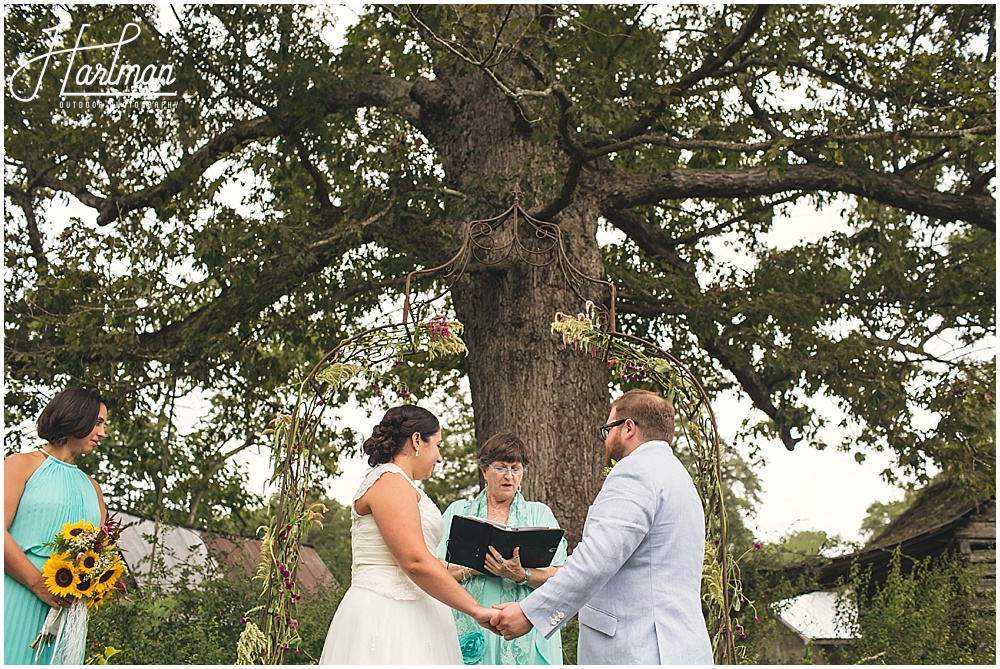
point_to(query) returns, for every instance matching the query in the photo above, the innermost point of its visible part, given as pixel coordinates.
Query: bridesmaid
(43, 490)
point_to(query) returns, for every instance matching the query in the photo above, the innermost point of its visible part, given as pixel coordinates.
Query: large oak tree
(234, 237)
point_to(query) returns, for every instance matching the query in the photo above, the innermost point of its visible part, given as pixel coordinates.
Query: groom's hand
(510, 621)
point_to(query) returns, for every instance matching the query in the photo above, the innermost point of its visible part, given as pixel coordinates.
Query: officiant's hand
(509, 568)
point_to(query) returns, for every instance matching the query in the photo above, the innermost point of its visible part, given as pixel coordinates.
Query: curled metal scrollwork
(514, 234)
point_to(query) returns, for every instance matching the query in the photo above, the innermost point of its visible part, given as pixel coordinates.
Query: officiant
(503, 461)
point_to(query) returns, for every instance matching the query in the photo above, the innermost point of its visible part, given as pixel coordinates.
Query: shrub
(201, 624)
(198, 625)
(929, 614)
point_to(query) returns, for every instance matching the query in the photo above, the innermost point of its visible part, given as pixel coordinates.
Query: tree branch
(709, 67)
(24, 201)
(117, 206)
(765, 122)
(652, 240)
(577, 158)
(373, 92)
(654, 243)
(925, 102)
(514, 94)
(685, 144)
(730, 222)
(692, 78)
(648, 237)
(978, 209)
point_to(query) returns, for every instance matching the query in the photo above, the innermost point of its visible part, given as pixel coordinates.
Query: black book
(470, 538)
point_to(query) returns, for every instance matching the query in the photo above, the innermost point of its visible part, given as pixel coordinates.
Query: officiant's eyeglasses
(502, 471)
(605, 430)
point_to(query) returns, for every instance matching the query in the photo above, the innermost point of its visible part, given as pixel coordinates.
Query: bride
(395, 610)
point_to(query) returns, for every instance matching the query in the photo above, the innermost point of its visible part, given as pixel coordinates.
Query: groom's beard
(613, 449)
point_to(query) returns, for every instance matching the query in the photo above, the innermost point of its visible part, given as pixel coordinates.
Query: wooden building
(943, 518)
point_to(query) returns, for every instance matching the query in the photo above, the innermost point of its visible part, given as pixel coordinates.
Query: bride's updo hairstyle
(389, 436)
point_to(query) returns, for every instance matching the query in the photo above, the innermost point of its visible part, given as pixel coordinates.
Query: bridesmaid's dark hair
(71, 413)
(397, 426)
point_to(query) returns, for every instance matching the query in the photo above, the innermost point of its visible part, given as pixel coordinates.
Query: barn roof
(181, 547)
(926, 528)
(813, 616)
(939, 504)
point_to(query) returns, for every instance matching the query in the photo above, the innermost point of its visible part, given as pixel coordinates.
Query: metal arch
(697, 410)
(536, 243)
(540, 243)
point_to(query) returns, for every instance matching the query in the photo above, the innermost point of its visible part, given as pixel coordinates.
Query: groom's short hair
(652, 414)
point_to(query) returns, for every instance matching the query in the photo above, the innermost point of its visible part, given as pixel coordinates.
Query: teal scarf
(470, 634)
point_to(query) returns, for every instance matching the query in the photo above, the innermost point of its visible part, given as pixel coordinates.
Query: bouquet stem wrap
(66, 630)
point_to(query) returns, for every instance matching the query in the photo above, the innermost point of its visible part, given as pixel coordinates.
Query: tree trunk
(522, 380)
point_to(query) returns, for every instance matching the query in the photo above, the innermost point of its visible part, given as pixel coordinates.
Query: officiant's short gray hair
(502, 447)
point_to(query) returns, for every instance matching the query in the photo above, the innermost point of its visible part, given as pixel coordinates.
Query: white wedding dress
(384, 617)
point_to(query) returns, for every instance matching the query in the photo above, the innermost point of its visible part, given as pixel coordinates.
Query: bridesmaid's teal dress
(57, 493)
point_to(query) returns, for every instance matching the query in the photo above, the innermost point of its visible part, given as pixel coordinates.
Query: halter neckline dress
(55, 494)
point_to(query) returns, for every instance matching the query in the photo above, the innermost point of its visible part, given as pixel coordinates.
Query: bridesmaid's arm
(17, 469)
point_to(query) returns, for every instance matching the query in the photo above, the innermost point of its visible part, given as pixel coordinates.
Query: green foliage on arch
(369, 358)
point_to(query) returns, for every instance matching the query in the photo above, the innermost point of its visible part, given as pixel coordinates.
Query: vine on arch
(271, 628)
(636, 359)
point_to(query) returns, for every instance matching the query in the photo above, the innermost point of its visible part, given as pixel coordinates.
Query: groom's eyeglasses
(605, 430)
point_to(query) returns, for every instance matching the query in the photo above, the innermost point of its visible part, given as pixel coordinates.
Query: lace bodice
(372, 565)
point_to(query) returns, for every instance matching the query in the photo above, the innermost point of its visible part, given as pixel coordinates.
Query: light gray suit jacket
(635, 578)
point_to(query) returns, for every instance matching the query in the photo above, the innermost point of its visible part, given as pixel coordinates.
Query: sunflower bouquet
(85, 564)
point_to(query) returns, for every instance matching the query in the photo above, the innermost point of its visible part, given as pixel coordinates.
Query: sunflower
(83, 586)
(99, 597)
(59, 575)
(86, 564)
(109, 577)
(71, 531)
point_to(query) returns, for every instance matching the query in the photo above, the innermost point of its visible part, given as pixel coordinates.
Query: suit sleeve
(618, 521)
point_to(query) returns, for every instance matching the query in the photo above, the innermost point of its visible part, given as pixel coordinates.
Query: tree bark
(522, 380)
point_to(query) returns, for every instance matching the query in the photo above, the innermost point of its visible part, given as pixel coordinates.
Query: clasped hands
(507, 619)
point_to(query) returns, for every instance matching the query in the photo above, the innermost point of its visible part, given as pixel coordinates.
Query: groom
(635, 578)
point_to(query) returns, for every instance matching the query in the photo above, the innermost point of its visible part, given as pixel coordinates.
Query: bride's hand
(483, 616)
